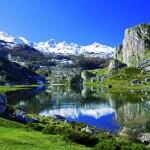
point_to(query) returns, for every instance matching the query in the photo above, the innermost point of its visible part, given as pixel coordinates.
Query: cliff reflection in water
(97, 107)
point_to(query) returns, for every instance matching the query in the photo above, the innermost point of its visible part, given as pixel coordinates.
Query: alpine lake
(107, 111)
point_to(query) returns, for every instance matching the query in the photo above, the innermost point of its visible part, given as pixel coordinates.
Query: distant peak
(6, 37)
(64, 48)
(25, 41)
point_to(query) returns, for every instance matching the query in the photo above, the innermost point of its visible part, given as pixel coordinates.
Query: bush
(113, 144)
(37, 126)
(56, 128)
(110, 144)
(81, 138)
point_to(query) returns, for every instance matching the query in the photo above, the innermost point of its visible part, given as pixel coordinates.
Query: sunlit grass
(15, 136)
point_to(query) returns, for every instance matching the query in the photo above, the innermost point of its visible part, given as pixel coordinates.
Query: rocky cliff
(136, 45)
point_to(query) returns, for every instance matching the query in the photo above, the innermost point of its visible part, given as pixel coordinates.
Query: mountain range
(61, 48)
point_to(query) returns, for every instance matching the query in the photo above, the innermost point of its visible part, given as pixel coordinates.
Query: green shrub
(113, 144)
(56, 128)
(37, 126)
(81, 138)
(49, 129)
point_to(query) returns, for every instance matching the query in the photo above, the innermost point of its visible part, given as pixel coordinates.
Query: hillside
(16, 136)
(13, 73)
(130, 67)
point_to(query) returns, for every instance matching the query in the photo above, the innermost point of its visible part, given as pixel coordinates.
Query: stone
(115, 65)
(90, 130)
(134, 82)
(59, 117)
(147, 79)
(85, 75)
(124, 132)
(87, 130)
(21, 116)
(144, 137)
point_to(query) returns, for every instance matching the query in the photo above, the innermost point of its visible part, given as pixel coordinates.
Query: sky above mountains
(78, 21)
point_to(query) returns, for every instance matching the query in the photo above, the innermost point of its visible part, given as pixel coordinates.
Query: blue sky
(79, 21)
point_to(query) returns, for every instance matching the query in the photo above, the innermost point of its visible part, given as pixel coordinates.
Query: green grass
(15, 136)
(147, 54)
(129, 74)
(99, 72)
(16, 87)
(120, 80)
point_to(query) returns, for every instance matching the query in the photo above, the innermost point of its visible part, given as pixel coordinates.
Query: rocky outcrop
(144, 137)
(86, 75)
(115, 64)
(136, 45)
(118, 53)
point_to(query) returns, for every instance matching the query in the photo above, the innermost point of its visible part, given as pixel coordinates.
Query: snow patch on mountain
(62, 48)
(93, 50)
(25, 41)
(12, 41)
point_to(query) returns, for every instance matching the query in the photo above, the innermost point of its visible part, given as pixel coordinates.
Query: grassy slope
(121, 80)
(15, 136)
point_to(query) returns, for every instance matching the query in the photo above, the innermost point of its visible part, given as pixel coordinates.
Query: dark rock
(134, 82)
(59, 117)
(147, 79)
(110, 86)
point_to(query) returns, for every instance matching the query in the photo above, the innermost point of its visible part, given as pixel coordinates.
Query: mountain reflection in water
(96, 107)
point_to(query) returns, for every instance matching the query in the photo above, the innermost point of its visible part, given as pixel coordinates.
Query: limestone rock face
(85, 75)
(115, 64)
(135, 44)
(118, 52)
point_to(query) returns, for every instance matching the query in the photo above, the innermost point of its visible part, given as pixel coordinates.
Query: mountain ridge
(63, 48)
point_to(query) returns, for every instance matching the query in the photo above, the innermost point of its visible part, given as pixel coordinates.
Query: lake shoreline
(79, 133)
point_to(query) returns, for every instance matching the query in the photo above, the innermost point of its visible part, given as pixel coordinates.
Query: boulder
(147, 79)
(144, 137)
(59, 117)
(134, 82)
(115, 64)
(86, 75)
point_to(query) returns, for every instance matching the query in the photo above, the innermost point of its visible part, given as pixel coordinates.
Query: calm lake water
(97, 107)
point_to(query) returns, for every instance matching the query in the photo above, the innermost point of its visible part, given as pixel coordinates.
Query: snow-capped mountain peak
(13, 41)
(61, 48)
(93, 50)
(25, 41)
(8, 38)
